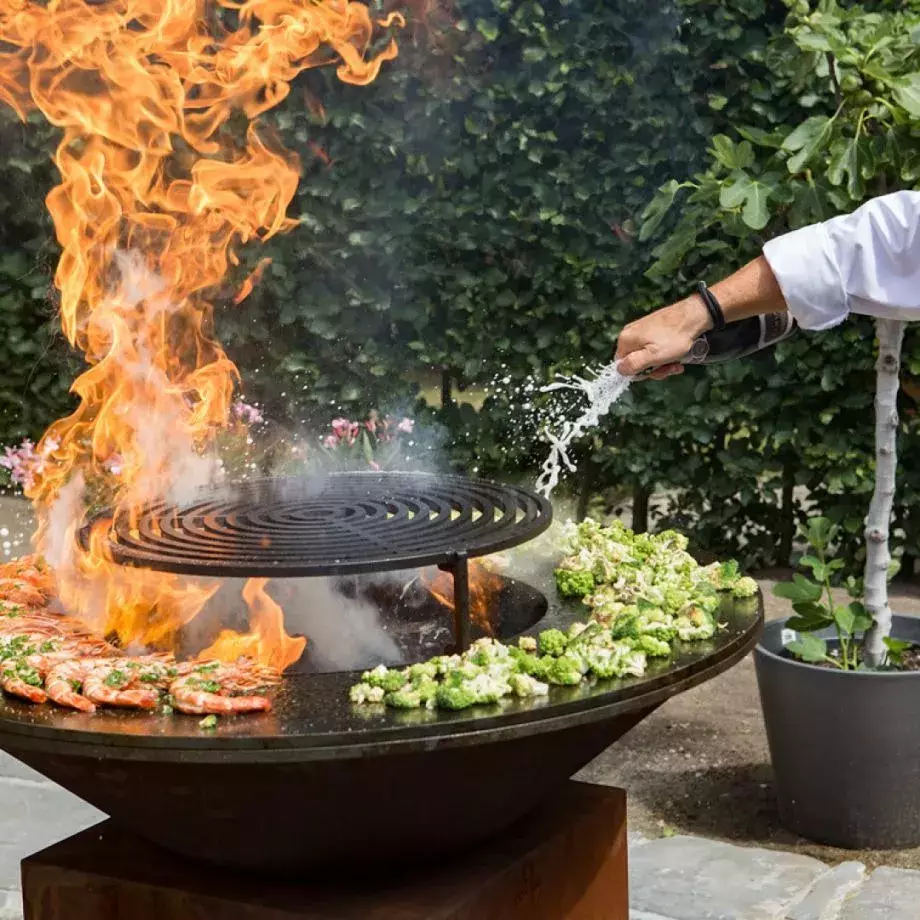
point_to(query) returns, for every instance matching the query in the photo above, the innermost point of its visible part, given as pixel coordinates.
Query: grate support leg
(462, 625)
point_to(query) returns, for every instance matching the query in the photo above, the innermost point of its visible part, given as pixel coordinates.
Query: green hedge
(478, 212)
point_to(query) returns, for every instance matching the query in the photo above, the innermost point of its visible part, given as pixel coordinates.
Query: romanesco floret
(365, 693)
(553, 642)
(567, 670)
(527, 644)
(630, 662)
(455, 696)
(574, 583)
(653, 646)
(427, 689)
(695, 626)
(466, 670)
(594, 636)
(625, 626)
(484, 652)
(745, 587)
(386, 679)
(489, 688)
(675, 599)
(407, 698)
(534, 665)
(524, 662)
(424, 670)
(446, 663)
(523, 685)
(602, 662)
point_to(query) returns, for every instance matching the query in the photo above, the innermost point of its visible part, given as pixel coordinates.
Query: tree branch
(878, 555)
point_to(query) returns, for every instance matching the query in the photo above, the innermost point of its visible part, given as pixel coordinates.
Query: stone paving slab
(888, 894)
(10, 767)
(691, 878)
(10, 905)
(824, 900)
(35, 815)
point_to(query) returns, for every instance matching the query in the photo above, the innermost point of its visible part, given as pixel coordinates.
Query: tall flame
(159, 188)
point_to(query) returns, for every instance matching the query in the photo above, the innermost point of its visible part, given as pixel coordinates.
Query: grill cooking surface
(338, 524)
(313, 718)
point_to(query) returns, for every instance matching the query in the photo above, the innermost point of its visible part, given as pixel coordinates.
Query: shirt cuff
(808, 275)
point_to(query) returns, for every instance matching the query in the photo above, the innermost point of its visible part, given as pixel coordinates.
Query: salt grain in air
(603, 390)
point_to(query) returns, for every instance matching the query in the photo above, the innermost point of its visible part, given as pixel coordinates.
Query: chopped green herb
(46, 647)
(208, 722)
(208, 686)
(75, 685)
(30, 676)
(116, 679)
(167, 710)
(203, 668)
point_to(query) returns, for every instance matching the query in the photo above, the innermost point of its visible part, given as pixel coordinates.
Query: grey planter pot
(845, 746)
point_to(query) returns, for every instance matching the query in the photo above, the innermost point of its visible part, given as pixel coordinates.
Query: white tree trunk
(878, 557)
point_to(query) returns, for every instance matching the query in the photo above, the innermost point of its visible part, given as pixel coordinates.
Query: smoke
(165, 453)
(343, 634)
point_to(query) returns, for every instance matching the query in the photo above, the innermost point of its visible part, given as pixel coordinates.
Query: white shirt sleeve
(866, 262)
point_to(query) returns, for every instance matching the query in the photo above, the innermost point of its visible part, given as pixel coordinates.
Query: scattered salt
(602, 390)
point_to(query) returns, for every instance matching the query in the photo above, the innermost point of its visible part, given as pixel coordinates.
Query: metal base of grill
(568, 862)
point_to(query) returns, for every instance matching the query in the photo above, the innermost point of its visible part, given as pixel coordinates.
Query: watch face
(699, 351)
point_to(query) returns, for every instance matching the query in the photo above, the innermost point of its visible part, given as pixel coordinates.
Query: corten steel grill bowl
(321, 782)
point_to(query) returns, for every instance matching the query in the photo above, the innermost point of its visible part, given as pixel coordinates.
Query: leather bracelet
(712, 305)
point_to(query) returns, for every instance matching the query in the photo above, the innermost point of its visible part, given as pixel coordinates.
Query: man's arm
(865, 262)
(665, 336)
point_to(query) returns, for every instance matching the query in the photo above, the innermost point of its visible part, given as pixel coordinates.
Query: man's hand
(662, 338)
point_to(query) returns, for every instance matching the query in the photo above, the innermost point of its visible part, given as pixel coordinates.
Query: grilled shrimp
(18, 591)
(65, 681)
(224, 689)
(32, 569)
(132, 683)
(22, 681)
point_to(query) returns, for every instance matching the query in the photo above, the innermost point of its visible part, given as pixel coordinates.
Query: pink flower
(371, 425)
(331, 441)
(406, 426)
(247, 413)
(341, 427)
(374, 465)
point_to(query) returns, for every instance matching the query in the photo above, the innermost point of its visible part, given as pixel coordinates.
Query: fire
(158, 192)
(485, 586)
(267, 641)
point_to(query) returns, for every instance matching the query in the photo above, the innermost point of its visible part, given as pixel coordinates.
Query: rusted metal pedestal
(566, 862)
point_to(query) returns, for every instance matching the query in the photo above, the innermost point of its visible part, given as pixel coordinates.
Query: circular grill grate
(341, 523)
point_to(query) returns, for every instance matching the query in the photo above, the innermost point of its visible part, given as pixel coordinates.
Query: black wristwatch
(712, 305)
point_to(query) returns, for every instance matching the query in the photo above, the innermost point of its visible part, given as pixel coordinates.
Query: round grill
(337, 524)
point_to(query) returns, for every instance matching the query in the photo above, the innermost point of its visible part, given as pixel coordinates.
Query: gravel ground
(700, 764)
